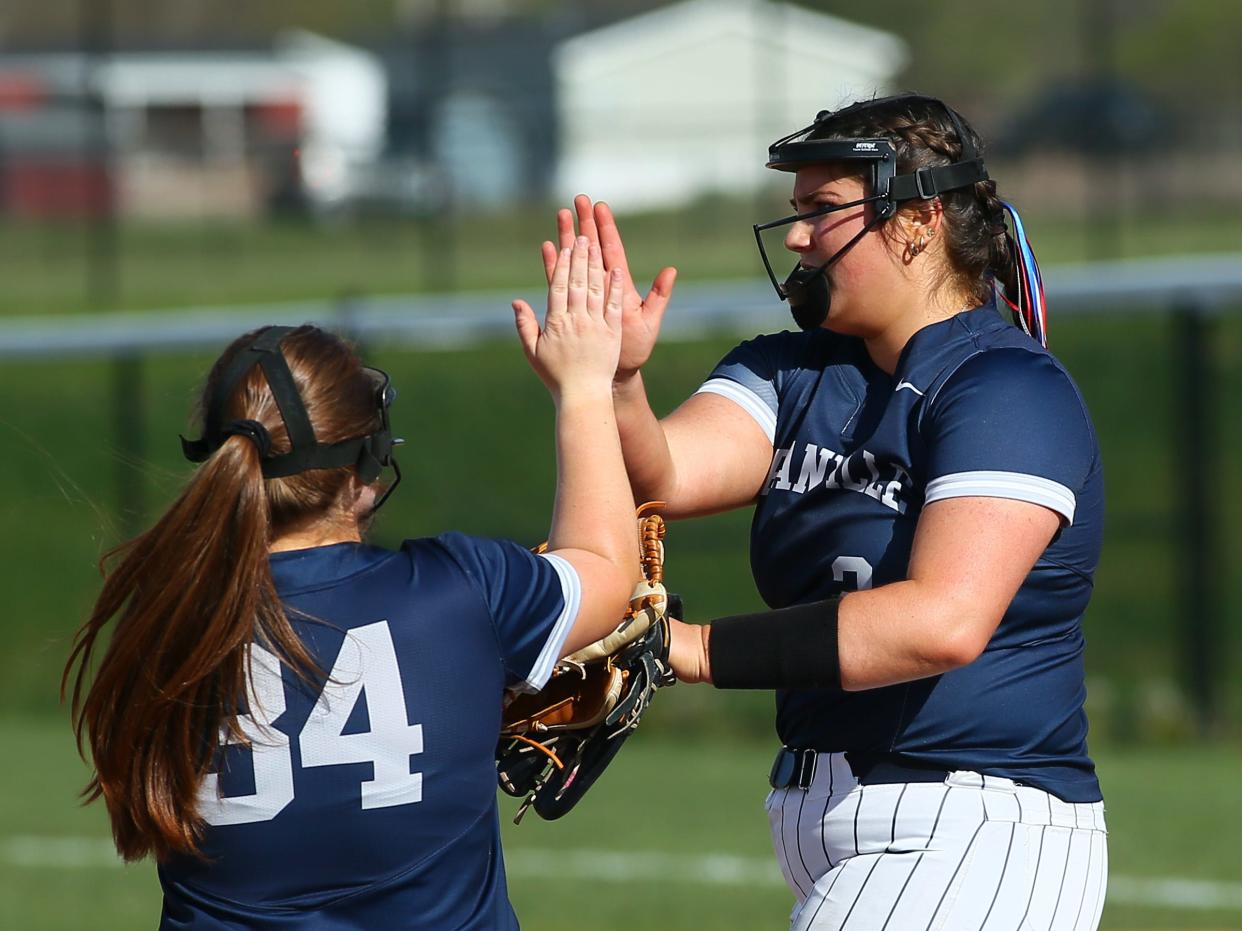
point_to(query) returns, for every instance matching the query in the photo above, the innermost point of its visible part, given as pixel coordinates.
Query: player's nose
(798, 239)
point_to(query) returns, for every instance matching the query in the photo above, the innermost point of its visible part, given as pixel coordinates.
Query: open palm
(640, 316)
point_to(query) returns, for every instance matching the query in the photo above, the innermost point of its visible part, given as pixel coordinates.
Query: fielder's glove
(555, 743)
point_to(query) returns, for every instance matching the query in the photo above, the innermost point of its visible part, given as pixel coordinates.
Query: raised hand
(578, 347)
(640, 316)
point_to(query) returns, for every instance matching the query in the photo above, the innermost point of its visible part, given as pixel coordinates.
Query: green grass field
(673, 837)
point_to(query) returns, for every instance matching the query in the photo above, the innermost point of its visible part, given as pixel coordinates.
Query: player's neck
(317, 535)
(885, 347)
(342, 523)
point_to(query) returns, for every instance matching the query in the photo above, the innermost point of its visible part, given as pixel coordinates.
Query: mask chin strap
(807, 289)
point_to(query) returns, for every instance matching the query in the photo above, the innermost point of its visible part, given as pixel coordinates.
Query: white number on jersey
(367, 660)
(273, 771)
(366, 668)
(856, 566)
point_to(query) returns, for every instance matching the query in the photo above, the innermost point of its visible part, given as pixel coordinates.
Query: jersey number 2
(367, 662)
(856, 566)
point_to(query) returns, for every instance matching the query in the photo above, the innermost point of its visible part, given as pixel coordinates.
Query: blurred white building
(202, 132)
(684, 100)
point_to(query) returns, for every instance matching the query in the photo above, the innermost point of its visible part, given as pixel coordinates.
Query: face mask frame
(806, 289)
(382, 443)
(783, 288)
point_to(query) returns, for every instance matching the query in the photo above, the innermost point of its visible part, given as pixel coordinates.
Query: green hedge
(480, 459)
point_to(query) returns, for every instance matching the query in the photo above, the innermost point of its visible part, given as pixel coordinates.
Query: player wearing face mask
(928, 507)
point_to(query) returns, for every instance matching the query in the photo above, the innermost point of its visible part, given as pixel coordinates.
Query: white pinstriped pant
(971, 853)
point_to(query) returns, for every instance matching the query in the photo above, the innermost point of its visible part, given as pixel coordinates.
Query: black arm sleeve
(789, 648)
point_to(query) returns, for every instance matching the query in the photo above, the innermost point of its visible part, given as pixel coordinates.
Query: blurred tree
(1179, 46)
(1180, 52)
(964, 54)
(1186, 54)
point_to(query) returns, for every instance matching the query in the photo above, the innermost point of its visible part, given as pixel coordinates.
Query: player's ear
(918, 218)
(359, 498)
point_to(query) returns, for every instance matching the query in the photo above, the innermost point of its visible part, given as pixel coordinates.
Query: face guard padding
(369, 454)
(806, 288)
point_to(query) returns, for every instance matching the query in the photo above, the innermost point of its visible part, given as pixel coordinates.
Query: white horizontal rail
(1205, 284)
(45, 852)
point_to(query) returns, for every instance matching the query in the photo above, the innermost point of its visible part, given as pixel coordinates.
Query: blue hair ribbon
(1029, 303)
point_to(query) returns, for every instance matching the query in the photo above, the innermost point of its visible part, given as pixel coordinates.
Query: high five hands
(578, 347)
(640, 316)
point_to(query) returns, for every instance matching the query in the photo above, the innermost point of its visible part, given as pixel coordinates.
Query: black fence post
(1200, 604)
(129, 427)
(103, 257)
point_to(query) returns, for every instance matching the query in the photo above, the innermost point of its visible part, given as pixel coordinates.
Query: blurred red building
(159, 133)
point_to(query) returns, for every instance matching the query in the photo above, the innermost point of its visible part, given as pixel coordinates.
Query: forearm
(905, 631)
(648, 460)
(593, 510)
(897, 633)
(970, 557)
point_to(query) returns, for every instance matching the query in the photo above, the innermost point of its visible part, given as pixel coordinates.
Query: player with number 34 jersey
(377, 793)
(299, 726)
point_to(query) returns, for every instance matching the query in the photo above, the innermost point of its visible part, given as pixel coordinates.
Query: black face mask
(809, 296)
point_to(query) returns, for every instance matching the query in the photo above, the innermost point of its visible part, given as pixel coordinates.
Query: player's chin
(843, 319)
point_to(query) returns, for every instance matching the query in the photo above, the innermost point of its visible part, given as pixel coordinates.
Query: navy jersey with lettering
(974, 408)
(370, 801)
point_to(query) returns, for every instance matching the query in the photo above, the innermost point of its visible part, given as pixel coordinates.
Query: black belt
(797, 768)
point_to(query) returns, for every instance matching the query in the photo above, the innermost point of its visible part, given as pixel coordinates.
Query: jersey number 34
(367, 661)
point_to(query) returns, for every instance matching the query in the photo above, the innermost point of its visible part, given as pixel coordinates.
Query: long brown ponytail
(190, 595)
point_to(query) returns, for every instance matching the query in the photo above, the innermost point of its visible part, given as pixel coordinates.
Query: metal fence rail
(1208, 284)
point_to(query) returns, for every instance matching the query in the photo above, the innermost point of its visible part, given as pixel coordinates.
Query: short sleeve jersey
(974, 408)
(369, 801)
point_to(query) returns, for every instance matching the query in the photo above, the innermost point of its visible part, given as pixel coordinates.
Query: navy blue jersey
(370, 802)
(974, 408)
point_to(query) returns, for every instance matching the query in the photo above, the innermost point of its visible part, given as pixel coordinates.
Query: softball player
(928, 505)
(300, 727)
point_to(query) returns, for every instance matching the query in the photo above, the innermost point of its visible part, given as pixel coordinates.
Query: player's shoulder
(801, 344)
(991, 354)
(1000, 382)
(475, 556)
(787, 351)
(1008, 365)
(456, 545)
(490, 567)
